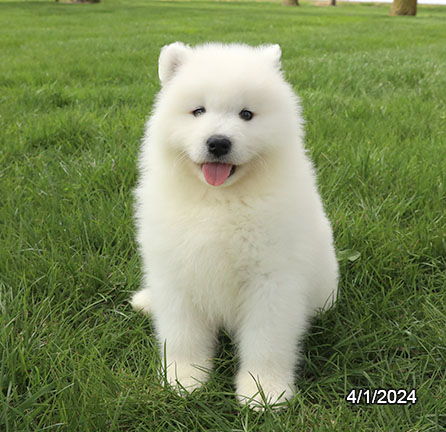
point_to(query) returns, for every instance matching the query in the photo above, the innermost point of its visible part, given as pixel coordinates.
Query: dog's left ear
(171, 58)
(274, 53)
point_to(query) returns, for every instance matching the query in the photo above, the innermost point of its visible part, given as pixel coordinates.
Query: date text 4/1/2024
(382, 397)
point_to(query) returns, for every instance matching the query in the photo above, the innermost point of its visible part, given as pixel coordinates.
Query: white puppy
(230, 223)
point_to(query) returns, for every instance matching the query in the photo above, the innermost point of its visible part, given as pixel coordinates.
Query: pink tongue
(216, 173)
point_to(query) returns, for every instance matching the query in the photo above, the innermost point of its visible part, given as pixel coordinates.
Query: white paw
(141, 301)
(185, 378)
(262, 390)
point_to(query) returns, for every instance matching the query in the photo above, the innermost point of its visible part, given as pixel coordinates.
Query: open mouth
(217, 173)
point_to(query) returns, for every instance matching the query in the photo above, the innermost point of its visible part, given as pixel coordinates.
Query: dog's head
(224, 108)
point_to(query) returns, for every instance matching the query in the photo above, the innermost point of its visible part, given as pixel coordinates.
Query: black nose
(218, 145)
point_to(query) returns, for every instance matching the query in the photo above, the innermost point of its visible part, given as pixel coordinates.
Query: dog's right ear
(171, 58)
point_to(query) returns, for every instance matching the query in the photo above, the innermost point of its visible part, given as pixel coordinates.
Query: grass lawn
(76, 84)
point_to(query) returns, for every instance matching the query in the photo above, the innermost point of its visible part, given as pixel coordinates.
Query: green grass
(76, 84)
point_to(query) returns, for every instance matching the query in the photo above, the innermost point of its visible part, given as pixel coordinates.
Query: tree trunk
(290, 2)
(404, 7)
(333, 2)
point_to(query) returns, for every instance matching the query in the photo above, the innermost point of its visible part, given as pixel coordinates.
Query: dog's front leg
(274, 319)
(187, 341)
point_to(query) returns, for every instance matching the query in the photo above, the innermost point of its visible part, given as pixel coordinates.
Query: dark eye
(245, 114)
(197, 112)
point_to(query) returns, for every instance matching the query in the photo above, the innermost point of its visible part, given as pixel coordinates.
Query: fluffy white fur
(254, 255)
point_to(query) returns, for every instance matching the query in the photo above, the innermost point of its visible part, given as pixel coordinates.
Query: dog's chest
(214, 253)
(219, 243)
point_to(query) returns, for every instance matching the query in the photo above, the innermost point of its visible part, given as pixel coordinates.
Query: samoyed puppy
(230, 223)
